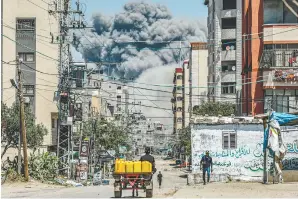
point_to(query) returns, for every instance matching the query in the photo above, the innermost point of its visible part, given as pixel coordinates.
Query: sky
(179, 8)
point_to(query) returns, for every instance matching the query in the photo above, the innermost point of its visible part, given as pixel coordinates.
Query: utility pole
(22, 121)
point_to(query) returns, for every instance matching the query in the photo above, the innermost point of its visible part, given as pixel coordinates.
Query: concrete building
(177, 100)
(236, 147)
(224, 47)
(26, 33)
(271, 58)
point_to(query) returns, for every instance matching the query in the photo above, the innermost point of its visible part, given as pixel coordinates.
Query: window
(179, 98)
(228, 44)
(118, 99)
(179, 109)
(228, 23)
(27, 57)
(179, 77)
(25, 24)
(228, 66)
(229, 140)
(78, 77)
(53, 123)
(228, 88)
(179, 88)
(179, 119)
(78, 111)
(229, 4)
(276, 12)
(119, 88)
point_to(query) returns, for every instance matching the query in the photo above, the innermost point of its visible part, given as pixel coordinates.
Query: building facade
(271, 60)
(27, 31)
(224, 47)
(177, 100)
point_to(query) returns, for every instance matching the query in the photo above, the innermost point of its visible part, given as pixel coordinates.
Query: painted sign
(286, 75)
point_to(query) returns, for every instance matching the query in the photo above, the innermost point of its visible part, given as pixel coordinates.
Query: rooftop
(225, 120)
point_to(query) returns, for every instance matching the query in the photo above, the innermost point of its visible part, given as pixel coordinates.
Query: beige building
(195, 79)
(27, 30)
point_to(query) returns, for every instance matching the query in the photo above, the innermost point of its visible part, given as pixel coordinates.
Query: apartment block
(177, 100)
(224, 47)
(27, 31)
(270, 54)
(195, 80)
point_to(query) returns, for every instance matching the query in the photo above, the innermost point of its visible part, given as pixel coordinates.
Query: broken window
(228, 23)
(229, 4)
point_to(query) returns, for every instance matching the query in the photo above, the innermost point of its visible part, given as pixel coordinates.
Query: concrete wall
(281, 33)
(244, 162)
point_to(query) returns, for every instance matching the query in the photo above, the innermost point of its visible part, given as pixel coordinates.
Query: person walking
(159, 179)
(206, 164)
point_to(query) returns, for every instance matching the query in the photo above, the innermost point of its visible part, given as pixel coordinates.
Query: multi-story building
(224, 47)
(198, 77)
(270, 56)
(177, 100)
(26, 30)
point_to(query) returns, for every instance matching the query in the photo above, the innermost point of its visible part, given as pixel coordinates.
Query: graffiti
(258, 152)
(292, 148)
(228, 170)
(254, 165)
(290, 164)
(222, 164)
(237, 153)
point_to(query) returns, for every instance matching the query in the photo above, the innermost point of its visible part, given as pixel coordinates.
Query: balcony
(228, 55)
(279, 58)
(228, 34)
(281, 33)
(229, 13)
(228, 76)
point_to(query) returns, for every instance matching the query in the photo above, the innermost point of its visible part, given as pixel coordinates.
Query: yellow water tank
(146, 167)
(129, 167)
(137, 167)
(119, 166)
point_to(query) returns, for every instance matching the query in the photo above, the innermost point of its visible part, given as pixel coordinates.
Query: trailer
(134, 182)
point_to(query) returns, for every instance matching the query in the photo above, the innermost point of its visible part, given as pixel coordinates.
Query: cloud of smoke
(113, 38)
(117, 39)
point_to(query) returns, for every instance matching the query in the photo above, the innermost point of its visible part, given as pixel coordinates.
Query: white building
(236, 147)
(225, 49)
(195, 80)
(26, 33)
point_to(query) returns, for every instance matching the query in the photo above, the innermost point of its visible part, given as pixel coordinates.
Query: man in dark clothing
(159, 178)
(149, 158)
(206, 163)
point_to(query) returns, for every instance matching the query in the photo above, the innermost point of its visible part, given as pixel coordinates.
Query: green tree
(10, 128)
(108, 135)
(185, 140)
(215, 109)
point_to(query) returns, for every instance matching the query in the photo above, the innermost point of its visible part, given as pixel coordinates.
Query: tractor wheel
(149, 193)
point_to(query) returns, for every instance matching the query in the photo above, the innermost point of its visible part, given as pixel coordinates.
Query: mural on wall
(286, 75)
(245, 160)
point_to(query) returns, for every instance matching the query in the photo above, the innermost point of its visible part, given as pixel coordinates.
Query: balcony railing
(279, 58)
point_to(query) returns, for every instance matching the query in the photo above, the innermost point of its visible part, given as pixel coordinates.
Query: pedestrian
(206, 163)
(159, 178)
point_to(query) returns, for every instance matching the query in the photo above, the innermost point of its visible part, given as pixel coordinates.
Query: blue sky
(179, 8)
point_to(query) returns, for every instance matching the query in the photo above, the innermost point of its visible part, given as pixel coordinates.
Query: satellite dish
(233, 68)
(232, 47)
(228, 48)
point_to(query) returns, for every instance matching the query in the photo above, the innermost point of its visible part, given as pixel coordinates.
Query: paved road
(171, 183)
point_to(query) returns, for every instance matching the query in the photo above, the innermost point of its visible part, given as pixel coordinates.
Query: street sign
(84, 151)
